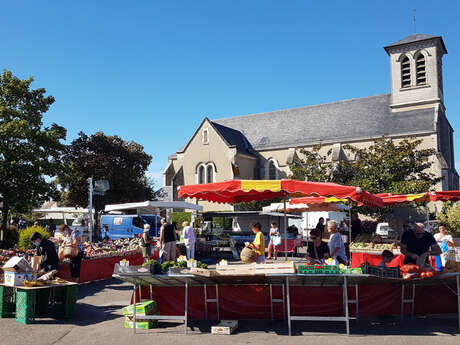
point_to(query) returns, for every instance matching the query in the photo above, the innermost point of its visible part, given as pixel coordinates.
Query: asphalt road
(99, 321)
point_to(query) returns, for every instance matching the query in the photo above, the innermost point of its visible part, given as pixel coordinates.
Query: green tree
(386, 166)
(104, 157)
(451, 217)
(30, 153)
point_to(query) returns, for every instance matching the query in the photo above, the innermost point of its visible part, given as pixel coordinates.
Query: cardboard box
(226, 327)
(17, 264)
(140, 323)
(142, 308)
(15, 278)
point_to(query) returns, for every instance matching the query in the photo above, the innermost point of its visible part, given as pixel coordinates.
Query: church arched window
(272, 170)
(210, 173)
(405, 72)
(201, 174)
(420, 68)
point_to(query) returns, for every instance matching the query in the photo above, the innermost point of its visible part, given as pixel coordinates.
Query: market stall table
(27, 303)
(293, 291)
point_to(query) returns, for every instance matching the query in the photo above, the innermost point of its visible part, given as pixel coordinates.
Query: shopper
(72, 239)
(444, 241)
(317, 250)
(259, 242)
(145, 243)
(47, 250)
(417, 245)
(167, 241)
(336, 246)
(189, 239)
(275, 241)
(320, 226)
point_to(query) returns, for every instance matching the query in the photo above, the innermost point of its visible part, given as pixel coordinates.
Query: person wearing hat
(145, 242)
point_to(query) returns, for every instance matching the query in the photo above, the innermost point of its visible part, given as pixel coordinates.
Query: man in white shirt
(189, 239)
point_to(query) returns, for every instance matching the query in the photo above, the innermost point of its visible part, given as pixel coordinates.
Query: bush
(24, 236)
(180, 217)
(11, 236)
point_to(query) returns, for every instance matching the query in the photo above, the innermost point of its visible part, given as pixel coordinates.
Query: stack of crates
(317, 269)
(7, 302)
(142, 309)
(384, 272)
(25, 306)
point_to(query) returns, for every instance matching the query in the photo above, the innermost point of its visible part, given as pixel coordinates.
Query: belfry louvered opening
(420, 69)
(405, 72)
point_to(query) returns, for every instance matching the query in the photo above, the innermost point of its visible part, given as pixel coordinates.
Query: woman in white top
(444, 241)
(274, 241)
(189, 239)
(336, 246)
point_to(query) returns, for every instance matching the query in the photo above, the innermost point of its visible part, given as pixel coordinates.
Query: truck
(125, 226)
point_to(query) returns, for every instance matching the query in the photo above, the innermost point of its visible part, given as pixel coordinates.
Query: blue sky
(149, 71)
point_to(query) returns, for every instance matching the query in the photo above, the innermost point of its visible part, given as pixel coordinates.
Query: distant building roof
(235, 138)
(415, 38)
(341, 121)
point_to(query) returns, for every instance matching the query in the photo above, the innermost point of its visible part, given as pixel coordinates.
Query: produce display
(414, 271)
(157, 268)
(372, 243)
(93, 250)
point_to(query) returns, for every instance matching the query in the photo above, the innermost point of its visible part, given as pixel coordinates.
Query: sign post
(90, 208)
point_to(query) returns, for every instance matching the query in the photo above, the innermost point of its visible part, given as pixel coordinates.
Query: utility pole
(90, 208)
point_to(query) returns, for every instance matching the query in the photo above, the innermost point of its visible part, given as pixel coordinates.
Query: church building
(261, 146)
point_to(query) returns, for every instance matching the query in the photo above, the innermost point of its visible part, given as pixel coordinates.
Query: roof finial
(415, 26)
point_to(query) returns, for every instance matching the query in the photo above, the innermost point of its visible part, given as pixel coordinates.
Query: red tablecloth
(253, 301)
(98, 268)
(359, 258)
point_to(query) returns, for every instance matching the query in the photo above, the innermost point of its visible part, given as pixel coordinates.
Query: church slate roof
(415, 38)
(342, 121)
(234, 137)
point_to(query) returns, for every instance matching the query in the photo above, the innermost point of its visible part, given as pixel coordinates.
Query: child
(387, 257)
(259, 242)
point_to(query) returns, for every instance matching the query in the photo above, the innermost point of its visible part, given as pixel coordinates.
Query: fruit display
(414, 271)
(93, 250)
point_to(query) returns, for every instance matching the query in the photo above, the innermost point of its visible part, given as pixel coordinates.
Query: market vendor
(336, 246)
(317, 250)
(259, 242)
(47, 250)
(417, 245)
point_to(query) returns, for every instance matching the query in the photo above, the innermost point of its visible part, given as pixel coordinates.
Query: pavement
(98, 320)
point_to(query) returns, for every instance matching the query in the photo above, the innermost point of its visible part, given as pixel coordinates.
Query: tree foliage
(30, 153)
(450, 217)
(386, 166)
(104, 157)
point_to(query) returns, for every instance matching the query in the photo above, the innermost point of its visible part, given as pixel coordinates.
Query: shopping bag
(276, 240)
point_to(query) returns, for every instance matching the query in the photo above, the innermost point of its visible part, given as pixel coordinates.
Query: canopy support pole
(349, 231)
(285, 228)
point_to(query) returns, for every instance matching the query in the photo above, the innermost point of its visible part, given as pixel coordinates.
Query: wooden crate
(226, 327)
(202, 272)
(236, 270)
(275, 268)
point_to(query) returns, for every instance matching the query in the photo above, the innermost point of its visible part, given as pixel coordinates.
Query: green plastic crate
(7, 302)
(330, 269)
(309, 269)
(142, 308)
(25, 306)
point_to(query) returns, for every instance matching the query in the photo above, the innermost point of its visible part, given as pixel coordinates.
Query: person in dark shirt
(316, 250)
(167, 241)
(320, 226)
(47, 250)
(356, 226)
(417, 245)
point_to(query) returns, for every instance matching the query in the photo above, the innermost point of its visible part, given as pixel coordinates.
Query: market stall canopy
(394, 199)
(153, 206)
(299, 208)
(60, 212)
(236, 191)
